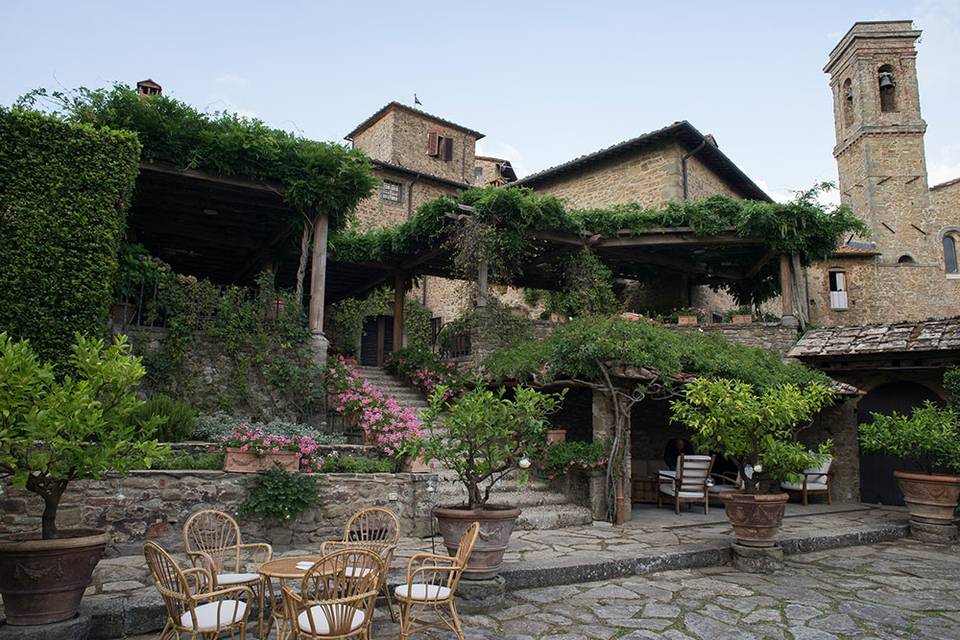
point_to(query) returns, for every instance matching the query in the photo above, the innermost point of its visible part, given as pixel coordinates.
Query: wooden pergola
(228, 229)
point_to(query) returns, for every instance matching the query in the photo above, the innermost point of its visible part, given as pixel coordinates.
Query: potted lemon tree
(482, 436)
(930, 438)
(757, 430)
(57, 427)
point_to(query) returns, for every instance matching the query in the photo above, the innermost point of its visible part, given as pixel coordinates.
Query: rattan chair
(192, 606)
(432, 581)
(212, 540)
(688, 483)
(336, 597)
(378, 530)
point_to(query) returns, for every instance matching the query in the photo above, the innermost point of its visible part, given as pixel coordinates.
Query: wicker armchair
(432, 581)
(336, 597)
(375, 529)
(192, 606)
(212, 540)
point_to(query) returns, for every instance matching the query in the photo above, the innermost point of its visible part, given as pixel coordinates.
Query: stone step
(553, 517)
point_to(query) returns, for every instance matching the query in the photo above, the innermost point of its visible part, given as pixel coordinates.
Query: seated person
(674, 449)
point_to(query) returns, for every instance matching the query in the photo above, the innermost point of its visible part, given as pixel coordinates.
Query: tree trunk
(51, 491)
(304, 252)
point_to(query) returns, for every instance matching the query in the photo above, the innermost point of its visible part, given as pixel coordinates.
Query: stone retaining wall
(771, 336)
(153, 505)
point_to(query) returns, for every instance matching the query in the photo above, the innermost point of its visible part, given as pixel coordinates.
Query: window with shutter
(433, 144)
(838, 290)
(447, 149)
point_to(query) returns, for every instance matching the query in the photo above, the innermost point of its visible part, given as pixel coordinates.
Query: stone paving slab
(899, 590)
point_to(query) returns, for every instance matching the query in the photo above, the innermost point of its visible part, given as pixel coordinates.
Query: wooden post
(318, 272)
(399, 284)
(786, 290)
(482, 283)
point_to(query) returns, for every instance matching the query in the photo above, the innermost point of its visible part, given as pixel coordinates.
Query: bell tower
(879, 151)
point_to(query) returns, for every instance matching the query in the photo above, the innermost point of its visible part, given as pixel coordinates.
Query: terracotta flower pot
(42, 581)
(414, 465)
(556, 436)
(239, 461)
(686, 321)
(742, 319)
(496, 525)
(756, 518)
(931, 499)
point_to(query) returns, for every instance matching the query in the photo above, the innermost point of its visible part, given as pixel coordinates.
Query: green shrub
(187, 461)
(929, 436)
(278, 496)
(356, 464)
(214, 427)
(64, 192)
(951, 383)
(560, 457)
(178, 418)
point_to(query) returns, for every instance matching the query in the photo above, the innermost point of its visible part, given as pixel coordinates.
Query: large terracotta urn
(930, 498)
(496, 525)
(42, 581)
(756, 518)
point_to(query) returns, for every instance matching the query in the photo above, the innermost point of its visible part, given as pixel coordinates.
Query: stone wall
(410, 136)
(377, 140)
(649, 178)
(771, 336)
(702, 182)
(839, 423)
(376, 213)
(154, 505)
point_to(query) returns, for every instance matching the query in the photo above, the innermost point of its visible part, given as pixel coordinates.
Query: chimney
(149, 88)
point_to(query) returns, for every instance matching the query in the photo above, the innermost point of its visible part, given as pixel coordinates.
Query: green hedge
(64, 192)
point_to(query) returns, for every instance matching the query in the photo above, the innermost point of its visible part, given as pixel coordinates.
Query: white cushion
(422, 592)
(237, 578)
(356, 572)
(822, 472)
(229, 611)
(798, 486)
(322, 624)
(668, 489)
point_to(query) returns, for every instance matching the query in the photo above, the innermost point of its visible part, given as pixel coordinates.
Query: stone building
(907, 268)
(674, 163)
(887, 305)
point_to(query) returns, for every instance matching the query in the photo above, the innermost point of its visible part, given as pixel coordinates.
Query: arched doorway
(876, 472)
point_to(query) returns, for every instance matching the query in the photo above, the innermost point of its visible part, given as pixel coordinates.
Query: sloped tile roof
(922, 336)
(402, 107)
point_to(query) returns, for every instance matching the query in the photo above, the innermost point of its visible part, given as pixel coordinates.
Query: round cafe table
(280, 569)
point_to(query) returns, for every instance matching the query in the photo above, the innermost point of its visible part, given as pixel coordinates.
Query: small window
(847, 104)
(906, 259)
(838, 290)
(477, 175)
(888, 89)
(391, 191)
(440, 147)
(951, 262)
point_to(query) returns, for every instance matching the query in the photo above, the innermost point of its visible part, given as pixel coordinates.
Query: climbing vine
(345, 320)
(587, 289)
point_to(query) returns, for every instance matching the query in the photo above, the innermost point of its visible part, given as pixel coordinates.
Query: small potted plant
(758, 431)
(556, 436)
(482, 436)
(687, 316)
(55, 429)
(249, 450)
(930, 438)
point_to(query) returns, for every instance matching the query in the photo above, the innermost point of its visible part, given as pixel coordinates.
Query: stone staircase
(542, 508)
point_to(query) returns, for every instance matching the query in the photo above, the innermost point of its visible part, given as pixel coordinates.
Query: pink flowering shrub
(388, 426)
(254, 440)
(425, 372)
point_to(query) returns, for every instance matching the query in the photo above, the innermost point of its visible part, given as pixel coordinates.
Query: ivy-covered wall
(64, 191)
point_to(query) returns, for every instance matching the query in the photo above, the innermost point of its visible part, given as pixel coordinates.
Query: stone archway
(876, 472)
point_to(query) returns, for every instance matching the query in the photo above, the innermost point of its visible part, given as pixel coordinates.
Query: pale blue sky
(545, 81)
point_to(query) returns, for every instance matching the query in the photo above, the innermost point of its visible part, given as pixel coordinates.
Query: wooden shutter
(433, 143)
(448, 148)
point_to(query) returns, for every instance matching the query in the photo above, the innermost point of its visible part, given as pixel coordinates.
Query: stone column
(839, 423)
(318, 282)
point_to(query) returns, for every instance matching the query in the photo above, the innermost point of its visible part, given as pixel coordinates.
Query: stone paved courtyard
(893, 590)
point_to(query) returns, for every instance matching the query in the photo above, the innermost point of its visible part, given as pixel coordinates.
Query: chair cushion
(822, 472)
(356, 572)
(798, 486)
(230, 611)
(322, 623)
(668, 490)
(422, 592)
(224, 579)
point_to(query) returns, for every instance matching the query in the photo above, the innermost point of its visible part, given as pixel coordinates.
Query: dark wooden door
(376, 341)
(877, 484)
